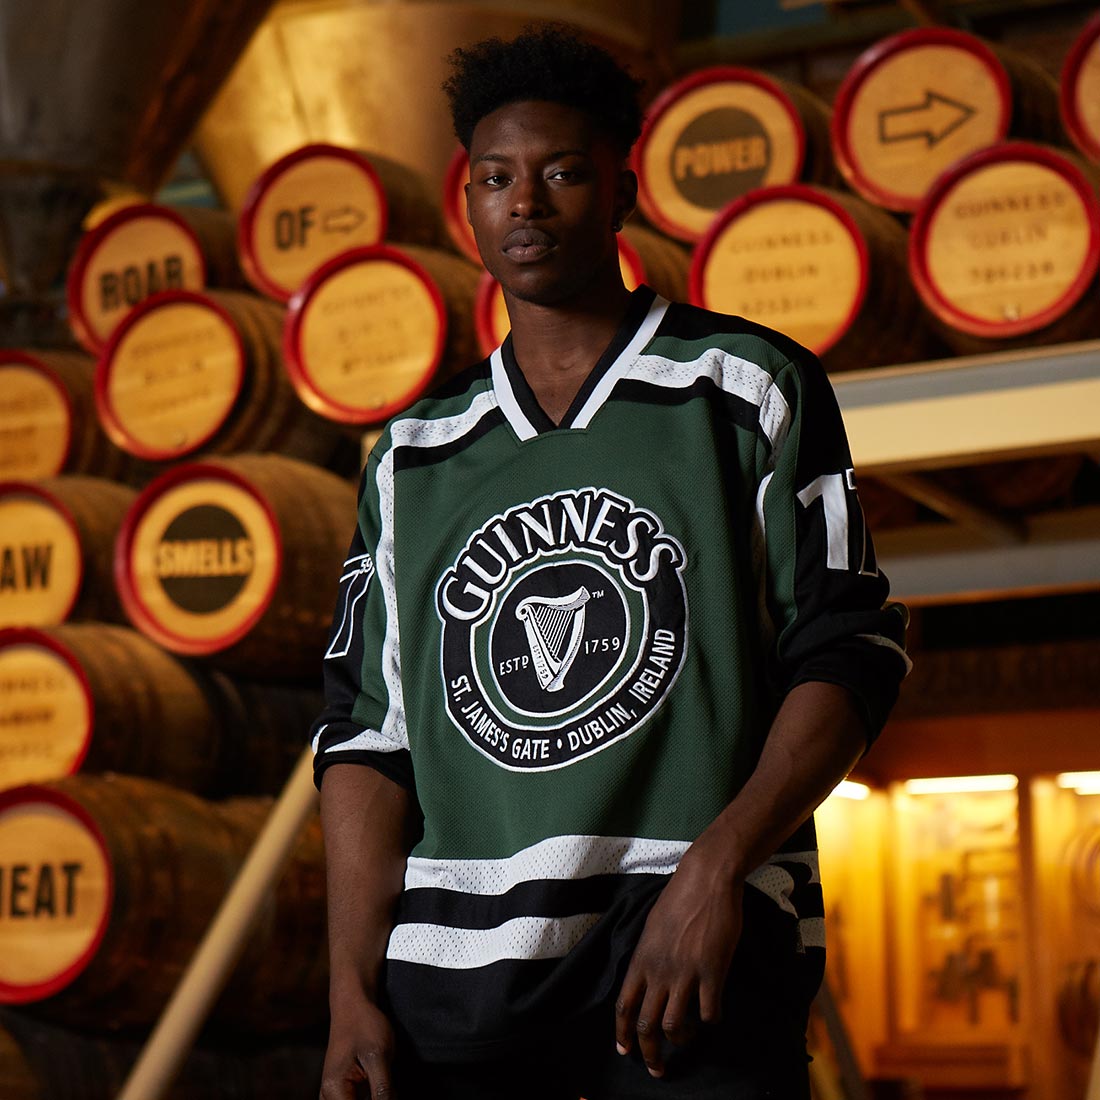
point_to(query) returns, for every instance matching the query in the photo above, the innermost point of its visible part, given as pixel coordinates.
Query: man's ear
(627, 194)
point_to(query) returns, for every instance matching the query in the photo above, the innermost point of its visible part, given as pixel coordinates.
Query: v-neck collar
(518, 402)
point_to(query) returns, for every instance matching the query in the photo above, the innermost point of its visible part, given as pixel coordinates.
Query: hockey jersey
(570, 641)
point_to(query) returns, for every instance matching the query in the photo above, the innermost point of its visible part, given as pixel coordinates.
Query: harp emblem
(555, 629)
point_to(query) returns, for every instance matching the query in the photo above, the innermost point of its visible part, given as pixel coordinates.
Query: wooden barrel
(237, 560)
(139, 250)
(57, 541)
(916, 103)
(109, 883)
(825, 268)
(644, 257)
(185, 372)
(95, 697)
(321, 200)
(40, 1061)
(1005, 249)
(720, 133)
(371, 329)
(48, 424)
(454, 205)
(1080, 85)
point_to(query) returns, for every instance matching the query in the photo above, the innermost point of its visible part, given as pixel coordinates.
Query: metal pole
(1093, 1091)
(164, 1053)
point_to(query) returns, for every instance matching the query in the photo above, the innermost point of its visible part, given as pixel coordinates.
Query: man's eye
(496, 180)
(567, 174)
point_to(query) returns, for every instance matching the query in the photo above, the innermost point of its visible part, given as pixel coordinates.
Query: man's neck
(557, 346)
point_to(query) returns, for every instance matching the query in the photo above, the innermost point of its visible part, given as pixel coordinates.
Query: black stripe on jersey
(406, 458)
(740, 412)
(690, 323)
(537, 898)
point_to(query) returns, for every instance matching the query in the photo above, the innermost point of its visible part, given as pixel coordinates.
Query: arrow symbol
(932, 120)
(343, 220)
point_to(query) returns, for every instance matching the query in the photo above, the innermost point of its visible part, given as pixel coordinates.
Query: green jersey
(570, 642)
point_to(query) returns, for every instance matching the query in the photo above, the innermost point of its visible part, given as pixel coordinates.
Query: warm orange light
(961, 784)
(849, 788)
(1081, 782)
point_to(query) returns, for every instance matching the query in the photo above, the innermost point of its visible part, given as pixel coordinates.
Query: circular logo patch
(564, 627)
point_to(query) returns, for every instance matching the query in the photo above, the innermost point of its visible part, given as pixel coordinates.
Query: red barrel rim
(38, 991)
(483, 313)
(128, 593)
(29, 488)
(866, 63)
(23, 359)
(803, 192)
(1087, 142)
(918, 265)
(246, 223)
(85, 252)
(715, 74)
(30, 635)
(305, 386)
(115, 429)
(455, 219)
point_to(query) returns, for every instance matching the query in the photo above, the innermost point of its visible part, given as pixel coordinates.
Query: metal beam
(973, 409)
(942, 563)
(992, 527)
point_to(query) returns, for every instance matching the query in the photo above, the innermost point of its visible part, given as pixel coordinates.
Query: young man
(611, 628)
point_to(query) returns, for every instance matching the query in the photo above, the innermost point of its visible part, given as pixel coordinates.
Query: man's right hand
(360, 1053)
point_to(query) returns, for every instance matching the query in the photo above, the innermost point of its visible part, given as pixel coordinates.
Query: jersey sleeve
(825, 599)
(363, 721)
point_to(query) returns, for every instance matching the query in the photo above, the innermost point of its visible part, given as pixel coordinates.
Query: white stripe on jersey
(467, 948)
(557, 857)
(777, 882)
(507, 399)
(732, 375)
(418, 433)
(622, 364)
(811, 930)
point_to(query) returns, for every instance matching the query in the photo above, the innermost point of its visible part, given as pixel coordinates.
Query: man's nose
(529, 197)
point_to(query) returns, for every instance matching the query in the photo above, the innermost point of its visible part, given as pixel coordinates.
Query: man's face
(546, 191)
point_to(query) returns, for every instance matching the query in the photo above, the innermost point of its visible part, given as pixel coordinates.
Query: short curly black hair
(549, 62)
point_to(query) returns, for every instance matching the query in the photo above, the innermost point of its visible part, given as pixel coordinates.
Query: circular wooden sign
(1007, 241)
(41, 566)
(36, 418)
(491, 311)
(56, 887)
(788, 257)
(365, 335)
(1081, 90)
(309, 206)
(170, 375)
(911, 106)
(198, 558)
(46, 708)
(133, 253)
(711, 138)
(454, 205)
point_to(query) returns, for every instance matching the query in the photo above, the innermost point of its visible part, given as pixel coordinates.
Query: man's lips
(527, 244)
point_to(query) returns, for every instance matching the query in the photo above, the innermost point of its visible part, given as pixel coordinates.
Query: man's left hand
(678, 970)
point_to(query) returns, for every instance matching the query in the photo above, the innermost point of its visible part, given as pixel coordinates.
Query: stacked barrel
(177, 491)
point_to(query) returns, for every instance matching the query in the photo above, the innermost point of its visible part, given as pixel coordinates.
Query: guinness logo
(564, 626)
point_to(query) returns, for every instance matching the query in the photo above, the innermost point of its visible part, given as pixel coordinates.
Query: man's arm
(834, 653)
(678, 970)
(369, 826)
